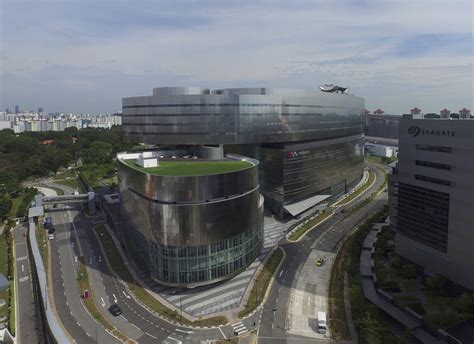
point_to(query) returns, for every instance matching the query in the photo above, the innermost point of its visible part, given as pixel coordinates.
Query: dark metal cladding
(179, 115)
(192, 230)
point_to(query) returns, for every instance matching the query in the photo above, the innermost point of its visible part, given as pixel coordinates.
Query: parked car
(51, 236)
(51, 230)
(115, 310)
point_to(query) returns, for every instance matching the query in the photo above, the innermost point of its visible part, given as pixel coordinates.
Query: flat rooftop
(180, 167)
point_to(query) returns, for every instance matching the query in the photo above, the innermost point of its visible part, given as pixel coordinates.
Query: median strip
(262, 282)
(84, 285)
(370, 181)
(308, 225)
(116, 264)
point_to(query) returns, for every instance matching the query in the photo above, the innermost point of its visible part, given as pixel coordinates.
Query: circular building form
(191, 222)
(309, 143)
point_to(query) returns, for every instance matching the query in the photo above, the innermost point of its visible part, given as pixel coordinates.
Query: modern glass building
(191, 229)
(431, 196)
(309, 143)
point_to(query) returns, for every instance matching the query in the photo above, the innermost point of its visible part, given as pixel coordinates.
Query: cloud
(386, 51)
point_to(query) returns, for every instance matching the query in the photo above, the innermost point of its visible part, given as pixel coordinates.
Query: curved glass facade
(197, 265)
(240, 116)
(308, 142)
(191, 230)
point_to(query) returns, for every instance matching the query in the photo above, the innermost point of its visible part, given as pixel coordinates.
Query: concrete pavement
(328, 237)
(27, 320)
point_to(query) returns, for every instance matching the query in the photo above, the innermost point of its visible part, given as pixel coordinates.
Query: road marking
(75, 259)
(281, 273)
(179, 330)
(21, 258)
(127, 296)
(90, 260)
(115, 298)
(138, 328)
(23, 279)
(124, 318)
(103, 302)
(151, 335)
(223, 335)
(22, 268)
(100, 259)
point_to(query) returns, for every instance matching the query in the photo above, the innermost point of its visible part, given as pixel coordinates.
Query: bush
(408, 271)
(417, 307)
(437, 286)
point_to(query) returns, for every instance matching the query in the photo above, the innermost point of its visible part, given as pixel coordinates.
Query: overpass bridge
(88, 198)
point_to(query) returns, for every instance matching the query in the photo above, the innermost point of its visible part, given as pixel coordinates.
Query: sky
(85, 56)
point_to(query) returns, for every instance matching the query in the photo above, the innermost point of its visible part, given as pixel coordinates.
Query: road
(27, 321)
(328, 237)
(75, 238)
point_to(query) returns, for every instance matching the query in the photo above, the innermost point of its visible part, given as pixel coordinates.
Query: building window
(433, 165)
(432, 148)
(433, 180)
(423, 215)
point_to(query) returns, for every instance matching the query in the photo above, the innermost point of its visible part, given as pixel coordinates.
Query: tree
(371, 329)
(9, 182)
(5, 205)
(99, 153)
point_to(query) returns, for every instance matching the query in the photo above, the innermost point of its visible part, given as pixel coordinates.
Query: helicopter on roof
(333, 88)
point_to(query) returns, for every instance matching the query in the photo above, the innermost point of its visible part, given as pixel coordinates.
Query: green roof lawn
(191, 168)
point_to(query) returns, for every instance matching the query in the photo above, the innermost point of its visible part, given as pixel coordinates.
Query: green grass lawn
(359, 191)
(16, 202)
(262, 282)
(73, 183)
(66, 174)
(4, 294)
(192, 168)
(303, 229)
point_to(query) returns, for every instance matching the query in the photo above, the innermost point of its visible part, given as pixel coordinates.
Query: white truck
(322, 322)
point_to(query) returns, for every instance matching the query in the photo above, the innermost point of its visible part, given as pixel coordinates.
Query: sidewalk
(381, 299)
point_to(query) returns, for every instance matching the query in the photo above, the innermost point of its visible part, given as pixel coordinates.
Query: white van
(322, 322)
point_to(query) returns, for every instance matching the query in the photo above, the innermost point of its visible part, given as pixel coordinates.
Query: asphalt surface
(27, 313)
(75, 238)
(71, 311)
(328, 237)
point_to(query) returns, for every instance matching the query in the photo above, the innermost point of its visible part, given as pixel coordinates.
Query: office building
(309, 143)
(17, 109)
(382, 126)
(186, 225)
(302, 150)
(431, 196)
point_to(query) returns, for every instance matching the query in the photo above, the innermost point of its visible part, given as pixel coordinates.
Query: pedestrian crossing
(239, 328)
(205, 300)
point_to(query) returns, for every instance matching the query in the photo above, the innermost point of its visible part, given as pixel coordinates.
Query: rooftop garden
(191, 168)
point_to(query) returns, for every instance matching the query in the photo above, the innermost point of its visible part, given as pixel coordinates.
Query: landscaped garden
(441, 303)
(192, 168)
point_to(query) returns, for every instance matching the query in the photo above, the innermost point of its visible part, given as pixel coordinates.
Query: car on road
(51, 236)
(320, 261)
(51, 230)
(115, 310)
(55, 205)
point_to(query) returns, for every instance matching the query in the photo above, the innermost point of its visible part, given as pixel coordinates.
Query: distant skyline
(82, 56)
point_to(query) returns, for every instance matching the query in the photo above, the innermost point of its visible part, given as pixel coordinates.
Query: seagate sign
(415, 130)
